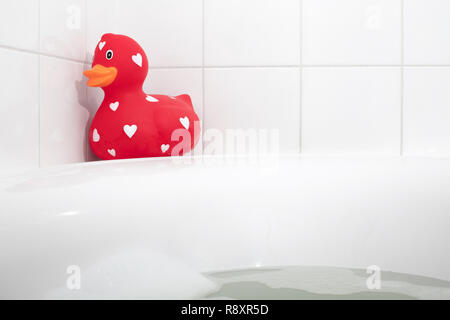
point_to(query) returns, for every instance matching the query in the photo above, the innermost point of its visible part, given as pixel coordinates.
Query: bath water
(322, 283)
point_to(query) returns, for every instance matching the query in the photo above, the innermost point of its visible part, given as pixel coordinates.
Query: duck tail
(186, 98)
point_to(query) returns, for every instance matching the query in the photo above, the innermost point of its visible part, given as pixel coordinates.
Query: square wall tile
(63, 28)
(351, 31)
(170, 31)
(19, 111)
(427, 111)
(351, 110)
(19, 24)
(426, 34)
(64, 114)
(252, 32)
(254, 98)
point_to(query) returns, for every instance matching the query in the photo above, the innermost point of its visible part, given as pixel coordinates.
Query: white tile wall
(427, 25)
(19, 111)
(254, 98)
(64, 116)
(351, 32)
(351, 110)
(367, 85)
(252, 32)
(63, 28)
(427, 111)
(170, 31)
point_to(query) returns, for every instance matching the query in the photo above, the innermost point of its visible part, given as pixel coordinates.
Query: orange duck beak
(100, 76)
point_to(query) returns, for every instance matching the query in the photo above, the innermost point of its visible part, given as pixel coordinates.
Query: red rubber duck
(130, 123)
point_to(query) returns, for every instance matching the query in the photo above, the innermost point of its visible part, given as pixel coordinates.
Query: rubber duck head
(119, 62)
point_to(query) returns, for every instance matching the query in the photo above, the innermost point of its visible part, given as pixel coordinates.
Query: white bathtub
(172, 221)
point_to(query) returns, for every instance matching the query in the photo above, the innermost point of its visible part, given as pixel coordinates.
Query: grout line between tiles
(300, 150)
(39, 84)
(402, 86)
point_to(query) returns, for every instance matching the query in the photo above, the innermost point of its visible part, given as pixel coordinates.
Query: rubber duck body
(130, 123)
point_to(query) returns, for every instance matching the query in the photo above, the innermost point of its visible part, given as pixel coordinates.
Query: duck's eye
(109, 54)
